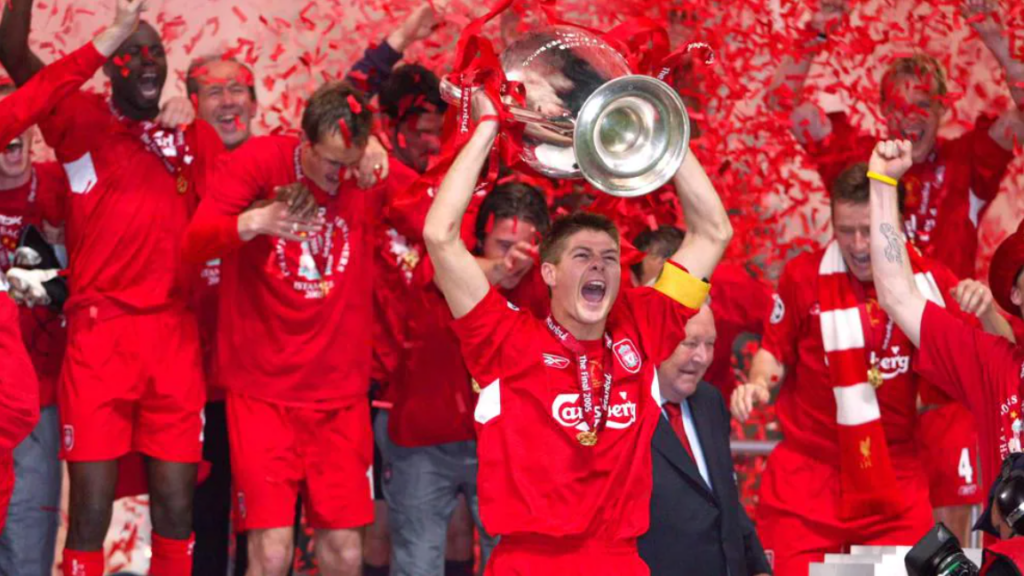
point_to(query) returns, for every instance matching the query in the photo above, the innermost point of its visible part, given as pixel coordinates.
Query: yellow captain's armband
(680, 286)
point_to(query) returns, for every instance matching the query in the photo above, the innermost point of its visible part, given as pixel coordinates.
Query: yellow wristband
(682, 287)
(883, 179)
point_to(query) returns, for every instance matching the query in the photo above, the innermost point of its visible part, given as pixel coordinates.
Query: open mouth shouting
(229, 122)
(149, 85)
(593, 292)
(913, 133)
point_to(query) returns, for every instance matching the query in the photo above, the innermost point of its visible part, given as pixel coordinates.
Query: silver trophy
(588, 117)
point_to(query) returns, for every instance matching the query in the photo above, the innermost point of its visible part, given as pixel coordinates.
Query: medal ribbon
(147, 132)
(595, 418)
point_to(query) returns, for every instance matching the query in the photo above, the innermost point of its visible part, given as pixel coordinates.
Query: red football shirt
(981, 371)
(295, 317)
(740, 303)
(396, 255)
(42, 329)
(125, 214)
(806, 405)
(535, 477)
(946, 195)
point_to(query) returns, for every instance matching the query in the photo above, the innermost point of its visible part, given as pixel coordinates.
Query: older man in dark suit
(697, 523)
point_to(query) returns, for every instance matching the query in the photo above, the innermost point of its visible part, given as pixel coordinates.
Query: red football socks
(77, 563)
(171, 557)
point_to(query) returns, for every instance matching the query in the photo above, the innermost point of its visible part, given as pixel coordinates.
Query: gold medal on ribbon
(875, 377)
(182, 184)
(476, 385)
(587, 438)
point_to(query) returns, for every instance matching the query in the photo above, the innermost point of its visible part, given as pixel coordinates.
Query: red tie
(675, 418)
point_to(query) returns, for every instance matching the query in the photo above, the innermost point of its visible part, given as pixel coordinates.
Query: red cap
(1006, 266)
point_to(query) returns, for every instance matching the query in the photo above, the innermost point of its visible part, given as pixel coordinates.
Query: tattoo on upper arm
(894, 249)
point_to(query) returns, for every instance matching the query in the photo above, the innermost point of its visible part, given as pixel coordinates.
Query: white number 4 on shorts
(964, 469)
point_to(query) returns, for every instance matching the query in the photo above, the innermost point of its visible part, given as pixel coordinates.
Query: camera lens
(956, 564)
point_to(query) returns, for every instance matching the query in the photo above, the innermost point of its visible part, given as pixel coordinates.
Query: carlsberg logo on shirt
(568, 411)
(893, 364)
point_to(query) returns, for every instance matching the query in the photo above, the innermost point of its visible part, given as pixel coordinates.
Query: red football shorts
(531, 555)
(132, 382)
(278, 451)
(949, 453)
(796, 535)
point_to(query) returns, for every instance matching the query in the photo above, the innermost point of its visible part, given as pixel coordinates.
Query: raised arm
(36, 98)
(987, 22)
(20, 62)
(372, 71)
(890, 263)
(786, 89)
(456, 272)
(708, 230)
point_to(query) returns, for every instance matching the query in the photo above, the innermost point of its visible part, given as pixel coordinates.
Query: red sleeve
(489, 329)
(57, 82)
(782, 327)
(661, 320)
(843, 147)
(945, 280)
(208, 149)
(988, 160)
(239, 179)
(407, 200)
(966, 363)
(19, 389)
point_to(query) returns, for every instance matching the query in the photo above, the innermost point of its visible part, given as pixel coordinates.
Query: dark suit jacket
(696, 530)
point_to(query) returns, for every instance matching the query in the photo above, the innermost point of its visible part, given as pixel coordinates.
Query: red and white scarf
(867, 483)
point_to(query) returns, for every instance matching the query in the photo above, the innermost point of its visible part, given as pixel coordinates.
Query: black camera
(939, 554)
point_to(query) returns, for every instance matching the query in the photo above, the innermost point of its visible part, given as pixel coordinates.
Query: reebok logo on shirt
(552, 361)
(567, 410)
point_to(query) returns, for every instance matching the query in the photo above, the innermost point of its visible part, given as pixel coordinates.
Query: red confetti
(354, 105)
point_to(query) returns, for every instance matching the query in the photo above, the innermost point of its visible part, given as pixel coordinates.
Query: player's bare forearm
(456, 272)
(766, 369)
(994, 323)
(999, 45)
(890, 263)
(18, 60)
(1008, 129)
(708, 230)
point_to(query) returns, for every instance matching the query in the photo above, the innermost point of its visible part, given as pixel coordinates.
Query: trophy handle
(563, 127)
